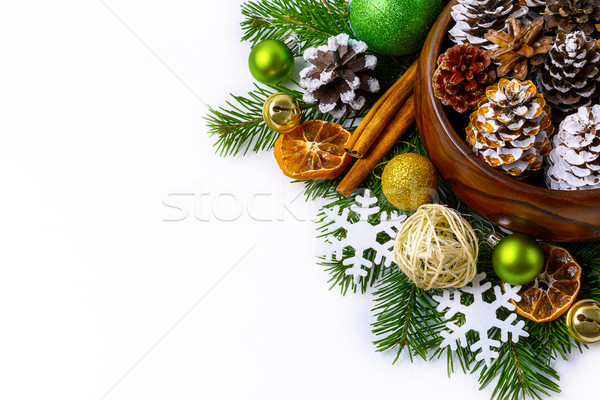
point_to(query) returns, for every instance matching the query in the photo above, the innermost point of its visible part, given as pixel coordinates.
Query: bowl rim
(466, 151)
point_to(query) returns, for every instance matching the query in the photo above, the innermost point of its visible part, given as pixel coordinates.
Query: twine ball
(437, 248)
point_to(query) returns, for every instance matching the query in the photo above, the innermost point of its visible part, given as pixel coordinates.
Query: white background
(102, 294)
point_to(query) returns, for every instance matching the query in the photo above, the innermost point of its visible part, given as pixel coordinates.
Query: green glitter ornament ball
(393, 27)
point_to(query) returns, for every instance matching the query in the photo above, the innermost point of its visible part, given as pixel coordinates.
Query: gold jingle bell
(282, 112)
(583, 321)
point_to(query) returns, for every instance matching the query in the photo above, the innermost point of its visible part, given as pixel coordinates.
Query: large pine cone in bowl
(556, 215)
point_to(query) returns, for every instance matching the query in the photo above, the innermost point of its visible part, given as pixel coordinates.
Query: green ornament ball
(393, 27)
(271, 62)
(517, 259)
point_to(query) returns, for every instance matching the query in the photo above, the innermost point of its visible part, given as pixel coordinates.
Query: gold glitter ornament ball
(408, 181)
(282, 112)
(393, 27)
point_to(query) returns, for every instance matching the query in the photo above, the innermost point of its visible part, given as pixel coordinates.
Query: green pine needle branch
(406, 317)
(310, 22)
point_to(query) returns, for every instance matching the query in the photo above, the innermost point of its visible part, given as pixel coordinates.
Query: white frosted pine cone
(574, 162)
(337, 79)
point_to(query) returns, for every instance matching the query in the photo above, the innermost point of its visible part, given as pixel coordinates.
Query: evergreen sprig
(307, 22)
(406, 317)
(240, 127)
(521, 372)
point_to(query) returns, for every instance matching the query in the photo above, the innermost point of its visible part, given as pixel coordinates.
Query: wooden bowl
(565, 216)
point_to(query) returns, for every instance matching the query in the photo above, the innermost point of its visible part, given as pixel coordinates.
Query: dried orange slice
(554, 290)
(313, 151)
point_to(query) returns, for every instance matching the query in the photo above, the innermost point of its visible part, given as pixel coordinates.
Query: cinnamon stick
(403, 120)
(382, 113)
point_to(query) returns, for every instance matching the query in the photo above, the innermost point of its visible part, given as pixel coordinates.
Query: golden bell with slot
(282, 112)
(583, 321)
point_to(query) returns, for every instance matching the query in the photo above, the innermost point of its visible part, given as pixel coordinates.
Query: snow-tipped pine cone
(511, 127)
(338, 78)
(569, 77)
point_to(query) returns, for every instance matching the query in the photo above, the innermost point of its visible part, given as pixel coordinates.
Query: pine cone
(519, 47)
(567, 15)
(474, 18)
(510, 129)
(532, 3)
(337, 77)
(461, 77)
(569, 77)
(574, 162)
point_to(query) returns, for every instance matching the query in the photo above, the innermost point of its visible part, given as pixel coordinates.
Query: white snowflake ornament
(480, 316)
(361, 235)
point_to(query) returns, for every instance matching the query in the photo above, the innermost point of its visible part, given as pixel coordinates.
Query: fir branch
(552, 339)
(521, 372)
(406, 317)
(312, 22)
(240, 127)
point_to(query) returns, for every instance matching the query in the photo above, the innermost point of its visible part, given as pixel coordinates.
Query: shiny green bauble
(393, 27)
(271, 62)
(517, 259)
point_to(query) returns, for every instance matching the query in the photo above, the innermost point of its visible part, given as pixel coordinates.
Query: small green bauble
(517, 259)
(408, 181)
(393, 27)
(271, 62)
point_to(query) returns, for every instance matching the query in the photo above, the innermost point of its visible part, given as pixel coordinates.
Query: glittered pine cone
(566, 15)
(338, 78)
(569, 77)
(511, 127)
(461, 77)
(519, 47)
(475, 17)
(574, 162)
